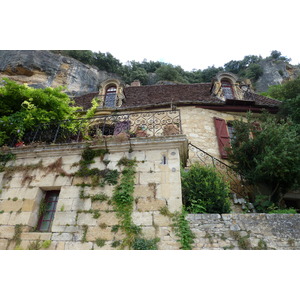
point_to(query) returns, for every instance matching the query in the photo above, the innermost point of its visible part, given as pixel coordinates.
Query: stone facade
(246, 231)
(80, 222)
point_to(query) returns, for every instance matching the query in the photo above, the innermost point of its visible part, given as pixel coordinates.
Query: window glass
(49, 205)
(227, 89)
(110, 97)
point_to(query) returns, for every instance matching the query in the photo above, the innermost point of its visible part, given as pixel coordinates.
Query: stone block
(86, 219)
(144, 191)
(146, 166)
(4, 218)
(58, 228)
(64, 204)
(148, 232)
(94, 233)
(142, 218)
(102, 206)
(78, 246)
(43, 236)
(108, 218)
(64, 218)
(107, 246)
(11, 205)
(150, 204)
(81, 204)
(145, 178)
(62, 236)
(155, 155)
(59, 245)
(3, 244)
(7, 232)
(29, 205)
(161, 220)
(67, 192)
(20, 218)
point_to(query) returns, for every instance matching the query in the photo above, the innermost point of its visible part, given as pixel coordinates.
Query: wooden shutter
(222, 136)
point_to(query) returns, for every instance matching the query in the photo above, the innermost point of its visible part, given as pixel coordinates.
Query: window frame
(227, 88)
(110, 90)
(47, 215)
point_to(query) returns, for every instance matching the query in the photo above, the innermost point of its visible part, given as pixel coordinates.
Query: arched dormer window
(227, 89)
(110, 96)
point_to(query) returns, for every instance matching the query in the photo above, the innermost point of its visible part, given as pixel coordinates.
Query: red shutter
(222, 136)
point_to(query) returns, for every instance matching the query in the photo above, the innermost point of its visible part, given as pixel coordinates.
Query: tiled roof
(85, 101)
(160, 95)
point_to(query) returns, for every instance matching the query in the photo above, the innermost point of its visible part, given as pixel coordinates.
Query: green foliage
(17, 234)
(169, 72)
(204, 190)
(183, 231)
(23, 108)
(100, 197)
(285, 91)
(35, 245)
(123, 200)
(116, 244)
(4, 158)
(144, 244)
(46, 244)
(85, 229)
(100, 242)
(268, 157)
(283, 211)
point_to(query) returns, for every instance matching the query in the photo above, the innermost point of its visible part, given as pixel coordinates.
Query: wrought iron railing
(234, 179)
(142, 124)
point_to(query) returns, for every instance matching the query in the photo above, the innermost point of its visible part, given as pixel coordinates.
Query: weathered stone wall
(198, 126)
(246, 231)
(157, 185)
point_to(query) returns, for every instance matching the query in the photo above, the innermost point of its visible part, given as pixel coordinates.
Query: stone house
(160, 126)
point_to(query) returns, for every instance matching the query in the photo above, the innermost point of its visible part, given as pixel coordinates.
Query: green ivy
(144, 244)
(182, 230)
(123, 200)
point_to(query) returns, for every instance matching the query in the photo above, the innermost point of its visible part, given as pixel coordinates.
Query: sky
(191, 34)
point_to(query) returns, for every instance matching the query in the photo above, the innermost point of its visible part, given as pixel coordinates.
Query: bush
(204, 190)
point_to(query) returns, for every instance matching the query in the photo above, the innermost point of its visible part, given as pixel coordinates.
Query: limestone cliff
(41, 68)
(275, 72)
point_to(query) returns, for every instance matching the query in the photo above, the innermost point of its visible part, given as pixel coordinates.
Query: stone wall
(246, 231)
(79, 222)
(198, 126)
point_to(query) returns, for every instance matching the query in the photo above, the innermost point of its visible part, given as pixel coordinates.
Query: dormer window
(110, 96)
(227, 89)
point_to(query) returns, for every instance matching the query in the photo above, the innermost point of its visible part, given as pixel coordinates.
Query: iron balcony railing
(235, 180)
(142, 124)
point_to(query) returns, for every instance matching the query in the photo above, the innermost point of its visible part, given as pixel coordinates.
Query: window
(47, 210)
(110, 96)
(227, 89)
(231, 131)
(222, 136)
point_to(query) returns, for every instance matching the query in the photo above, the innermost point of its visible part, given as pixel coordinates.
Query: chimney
(135, 83)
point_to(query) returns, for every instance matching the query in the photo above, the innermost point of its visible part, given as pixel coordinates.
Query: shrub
(204, 190)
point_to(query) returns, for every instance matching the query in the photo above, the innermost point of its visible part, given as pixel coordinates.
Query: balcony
(126, 126)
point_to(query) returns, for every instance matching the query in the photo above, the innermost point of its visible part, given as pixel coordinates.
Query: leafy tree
(170, 73)
(276, 55)
(253, 72)
(268, 156)
(287, 90)
(204, 190)
(23, 108)
(209, 73)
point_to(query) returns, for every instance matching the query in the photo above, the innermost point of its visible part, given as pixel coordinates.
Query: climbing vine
(181, 227)
(123, 200)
